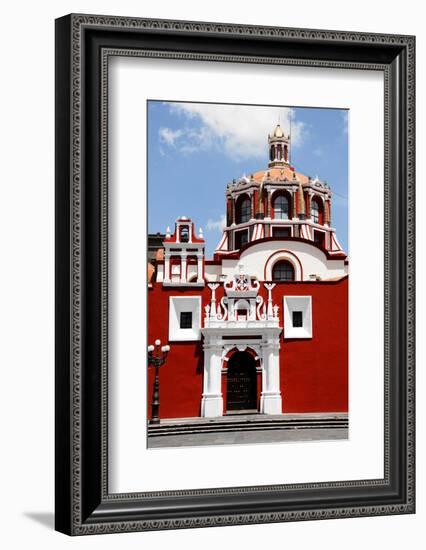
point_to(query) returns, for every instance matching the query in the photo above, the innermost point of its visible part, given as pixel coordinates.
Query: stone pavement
(248, 429)
(241, 438)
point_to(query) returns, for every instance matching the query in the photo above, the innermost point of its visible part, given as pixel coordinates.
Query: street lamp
(156, 357)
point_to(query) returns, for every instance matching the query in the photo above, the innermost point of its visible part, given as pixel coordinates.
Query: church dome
(281, 173)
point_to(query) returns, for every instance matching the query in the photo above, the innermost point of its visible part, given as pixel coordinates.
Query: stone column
(183, 259)
(166, 275)
(293, 204)
(270, 399)
(327, 213)
(309, 204)
(212, 400)
(268, 205)
(200, 278)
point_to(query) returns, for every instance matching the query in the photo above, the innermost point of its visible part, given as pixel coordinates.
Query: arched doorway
(241, 387)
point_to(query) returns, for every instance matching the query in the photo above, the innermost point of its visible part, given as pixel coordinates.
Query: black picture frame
(83, 45)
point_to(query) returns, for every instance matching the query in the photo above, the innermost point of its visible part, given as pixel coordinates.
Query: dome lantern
(279, 145)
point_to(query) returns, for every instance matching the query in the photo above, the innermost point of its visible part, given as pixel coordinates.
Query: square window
(319, 238)
(297, 316)
(186, 319)
(241, 238)
(298, 319)
(281, 232)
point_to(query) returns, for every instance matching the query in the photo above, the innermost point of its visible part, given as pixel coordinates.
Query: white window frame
(178, 304)
(284, 215)
(297, 303)
(315, 211)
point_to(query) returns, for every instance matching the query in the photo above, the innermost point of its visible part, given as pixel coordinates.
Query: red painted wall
(181, 377)
(313, 372)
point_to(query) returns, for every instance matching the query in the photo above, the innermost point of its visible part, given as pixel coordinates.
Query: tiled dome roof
(280, 173)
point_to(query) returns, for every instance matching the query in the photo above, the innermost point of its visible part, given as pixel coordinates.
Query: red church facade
(262, 327)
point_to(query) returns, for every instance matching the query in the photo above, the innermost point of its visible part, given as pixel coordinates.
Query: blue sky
(195, 149)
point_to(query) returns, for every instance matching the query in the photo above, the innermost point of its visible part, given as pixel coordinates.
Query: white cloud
(217, 225)
(169, 136)
(186, 140)
(240, 131)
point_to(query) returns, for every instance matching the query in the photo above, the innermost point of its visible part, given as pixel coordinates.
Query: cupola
(279, 145)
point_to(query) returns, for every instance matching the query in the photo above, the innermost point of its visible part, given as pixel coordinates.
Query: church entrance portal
(241, 388)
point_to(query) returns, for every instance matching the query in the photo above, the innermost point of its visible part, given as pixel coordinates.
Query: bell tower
(279, 145)
(183, 255)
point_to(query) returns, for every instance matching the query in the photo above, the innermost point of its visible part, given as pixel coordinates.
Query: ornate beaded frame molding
(73, 517)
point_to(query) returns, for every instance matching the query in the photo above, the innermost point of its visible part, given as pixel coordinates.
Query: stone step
(252, 425)
(251, 429)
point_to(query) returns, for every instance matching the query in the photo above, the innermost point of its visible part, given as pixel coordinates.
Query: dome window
(244, 210)
(316, 211)
(281, 208)
(283, 271)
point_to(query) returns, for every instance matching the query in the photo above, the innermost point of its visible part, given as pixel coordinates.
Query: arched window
(283, 271)
(281, 207)
(184, 234)
(244, 210)
(315, 211)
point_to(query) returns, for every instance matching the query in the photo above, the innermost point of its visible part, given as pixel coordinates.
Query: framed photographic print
(256, 324)
(234, 274)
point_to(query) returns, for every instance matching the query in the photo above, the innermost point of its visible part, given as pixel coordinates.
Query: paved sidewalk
(239, 429)
(241, 438)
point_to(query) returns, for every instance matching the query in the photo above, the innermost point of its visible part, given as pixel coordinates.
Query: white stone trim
(168, 245)
(178, 284)
(283, 255)
(297, 303)
(178, 304)
(178, 225)
(267, 350)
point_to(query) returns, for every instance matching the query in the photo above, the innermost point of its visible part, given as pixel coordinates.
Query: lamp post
(156, 358)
